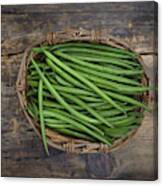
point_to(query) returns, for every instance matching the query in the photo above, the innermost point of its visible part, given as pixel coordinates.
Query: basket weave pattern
(54, 139)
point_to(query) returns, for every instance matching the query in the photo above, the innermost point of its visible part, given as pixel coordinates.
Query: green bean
(52, 104)
(103, 60)
(90, 99)
(51, 79)
(96, 105)
(62, 81)
(117, 67)
(85, 90)
(105, 75)
(55, 105)
(111, 66)
(97, 67)
(39, 50)
(72, 90)
(114, 112)
(127, 99)
(107, 88)
(126, 121)
(116, 118)
(76, 125)
(75, 134)
(95, 46)
(118, 132)
(66, 76)
(59, 98)
(106, 106)
(53, 121)
(81, 78)
(41, 116)
(99, 80)
(112, 85)
(100, 60)
(57, 126)
(89, 109)
(92, 51)
(93, 127)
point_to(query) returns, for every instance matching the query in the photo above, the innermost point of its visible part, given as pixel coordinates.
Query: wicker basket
(54, 139)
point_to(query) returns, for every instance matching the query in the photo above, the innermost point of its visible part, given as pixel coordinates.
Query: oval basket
(54, 139)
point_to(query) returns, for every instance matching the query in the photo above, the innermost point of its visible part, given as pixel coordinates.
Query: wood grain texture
(22, 151)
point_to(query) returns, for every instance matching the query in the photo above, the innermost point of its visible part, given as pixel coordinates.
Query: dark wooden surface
(22, 151)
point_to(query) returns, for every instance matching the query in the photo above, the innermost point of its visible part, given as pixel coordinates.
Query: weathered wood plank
(22, 151)
(138, 22)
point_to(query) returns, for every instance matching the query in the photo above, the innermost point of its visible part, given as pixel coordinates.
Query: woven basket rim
(54, 139)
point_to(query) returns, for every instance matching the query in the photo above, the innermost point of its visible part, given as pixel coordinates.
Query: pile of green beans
(85, 90)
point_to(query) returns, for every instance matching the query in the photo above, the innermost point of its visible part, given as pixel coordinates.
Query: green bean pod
(74, 133)
(97, 67)
(59, 98)
(65, 75)
(89, 125)
(92, 51)
(128, 100)
(41, 116)
(105, 60)
(81, 78)
(113, 85)
(77, 124)
(89, 109)
(95, 46)
(118, 132)
(105, 75)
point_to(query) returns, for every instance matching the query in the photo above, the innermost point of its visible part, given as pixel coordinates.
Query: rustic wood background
(22, 151)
